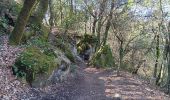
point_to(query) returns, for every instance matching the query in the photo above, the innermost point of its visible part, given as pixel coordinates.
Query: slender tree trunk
(40, 12)
(85, 27)
(138, 66)
(90, 25)
(99, 31)
(51, 20)
(102, 9)
(120, 57)
(61, 12)
(16, 36)
(159, 76)
(168, 57)
(94, 25)
(157, 57)
(168, 72)
(108, 23)
(71, 6)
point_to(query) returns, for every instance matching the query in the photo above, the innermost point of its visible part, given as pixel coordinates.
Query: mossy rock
(44, 45)
(103, 58)
(33, 62)
(85, 43)
(89, 39)
(65, 47)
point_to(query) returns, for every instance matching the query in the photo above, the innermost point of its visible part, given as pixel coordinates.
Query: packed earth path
(85, 83)
(97, 84)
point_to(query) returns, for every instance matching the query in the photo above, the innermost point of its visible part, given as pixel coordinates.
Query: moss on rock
(85, 43)
(103, 57)
(65, 47)
(33, 62)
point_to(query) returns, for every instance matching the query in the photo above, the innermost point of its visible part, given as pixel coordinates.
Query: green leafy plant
(3, 24)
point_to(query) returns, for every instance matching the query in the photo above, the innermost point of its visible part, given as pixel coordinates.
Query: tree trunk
(159, 76)
(85, 27)
(94, 25)
(99, 31)
(168, 73)
(102, 9)
(16, 36)
(40, 12)
(61, 12)
(138, 66)
(168, 57)
(51, 20)
(108, 23)
(120, 58)
(71, 6)
(157, 57)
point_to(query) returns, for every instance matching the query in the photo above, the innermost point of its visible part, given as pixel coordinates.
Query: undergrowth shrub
(3, 25)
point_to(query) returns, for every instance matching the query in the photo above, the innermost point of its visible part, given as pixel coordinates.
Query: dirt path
(95, 84)
(83, 85)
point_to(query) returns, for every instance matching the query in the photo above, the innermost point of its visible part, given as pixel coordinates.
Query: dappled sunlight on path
(130, 88)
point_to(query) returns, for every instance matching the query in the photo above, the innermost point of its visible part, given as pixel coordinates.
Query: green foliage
(12, 5)
(45, 46)
(32, 62)
(3, 25)
(9, 7)
(103, 57)
(15, 8)
(89, 39)
(69, 22)
(85, 43)
(72, 21)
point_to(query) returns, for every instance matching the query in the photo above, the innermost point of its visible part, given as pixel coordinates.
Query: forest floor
(85, 83)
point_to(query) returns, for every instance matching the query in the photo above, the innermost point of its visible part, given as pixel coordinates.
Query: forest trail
(97, 84)
(85, 83)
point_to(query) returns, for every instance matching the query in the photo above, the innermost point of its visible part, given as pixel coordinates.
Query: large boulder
(65, 47)
(41, 64)
(33, 62)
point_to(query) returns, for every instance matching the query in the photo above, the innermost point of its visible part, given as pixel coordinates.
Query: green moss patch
(33, 62)
(103, 58)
